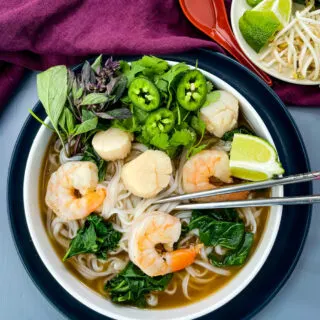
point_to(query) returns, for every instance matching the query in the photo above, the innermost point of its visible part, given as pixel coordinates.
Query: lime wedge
(281, 8)
(253, 3)
(258, 28)
(253, 158)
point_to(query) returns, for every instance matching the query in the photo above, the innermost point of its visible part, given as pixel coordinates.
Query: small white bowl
(97, 302)
(238, 7)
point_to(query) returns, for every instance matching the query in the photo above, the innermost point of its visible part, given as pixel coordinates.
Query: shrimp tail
(182, 258)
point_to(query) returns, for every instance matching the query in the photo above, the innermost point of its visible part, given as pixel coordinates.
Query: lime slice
(281, 8)
(258, 28)
(253, 158)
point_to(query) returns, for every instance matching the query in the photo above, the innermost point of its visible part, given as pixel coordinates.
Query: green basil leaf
(52, 86)
(78, 93)
(85, 126)
(66, 121)
(39, 120)
(87, 115)
(96, 65)
(94, 98)
(62, 121)
(69, 120)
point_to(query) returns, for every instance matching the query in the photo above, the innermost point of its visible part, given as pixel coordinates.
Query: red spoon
(210, 17)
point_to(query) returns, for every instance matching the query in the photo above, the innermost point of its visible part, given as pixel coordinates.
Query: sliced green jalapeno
(160, 121)
(144, 94)
(192, 90)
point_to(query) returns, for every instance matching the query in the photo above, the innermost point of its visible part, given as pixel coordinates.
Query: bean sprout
(297, 46)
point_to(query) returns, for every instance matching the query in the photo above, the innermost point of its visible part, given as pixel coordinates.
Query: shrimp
(71, 191)
(158, 228)
(201, 170)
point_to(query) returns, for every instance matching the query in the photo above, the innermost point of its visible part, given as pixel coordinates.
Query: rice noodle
(122, 208)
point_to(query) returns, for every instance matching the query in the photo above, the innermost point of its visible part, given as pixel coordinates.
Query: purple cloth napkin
(36, 34)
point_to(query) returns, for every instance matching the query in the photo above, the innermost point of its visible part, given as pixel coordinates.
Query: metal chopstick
(298, 178)
(250, 203)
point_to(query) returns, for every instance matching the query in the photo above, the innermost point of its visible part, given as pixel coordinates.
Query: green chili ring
(160, 121)
(144, 94)
(192, 90)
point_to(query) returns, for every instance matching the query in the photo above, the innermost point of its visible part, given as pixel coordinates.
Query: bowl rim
(236, 7)
(39, 136)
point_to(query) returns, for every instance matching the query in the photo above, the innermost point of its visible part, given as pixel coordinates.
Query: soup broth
(174, 296)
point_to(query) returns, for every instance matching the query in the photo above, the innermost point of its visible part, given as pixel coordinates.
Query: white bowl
(238, 7)
(98, 303)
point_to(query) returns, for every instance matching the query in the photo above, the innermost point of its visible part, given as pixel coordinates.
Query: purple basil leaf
(71, 79)
(119, 88)
(122, 113)
(112, 65)
(111, 85)
(87, 74)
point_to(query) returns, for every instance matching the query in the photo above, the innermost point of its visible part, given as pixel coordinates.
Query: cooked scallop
(113, 144)
(148, 174)
(221, 115)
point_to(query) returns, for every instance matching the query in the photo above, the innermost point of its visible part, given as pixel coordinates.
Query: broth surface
(165, 300)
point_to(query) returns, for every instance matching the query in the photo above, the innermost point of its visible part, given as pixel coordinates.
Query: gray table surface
(20, 299)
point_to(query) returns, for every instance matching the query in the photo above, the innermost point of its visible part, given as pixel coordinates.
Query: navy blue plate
(296, 219)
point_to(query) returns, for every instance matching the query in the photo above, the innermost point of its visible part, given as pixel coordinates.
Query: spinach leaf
(213, 232)
(91, 155)
(236, 257)
(131, 285)
(94, 98)
(96, 236)
(229, 215)
(228, 136)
